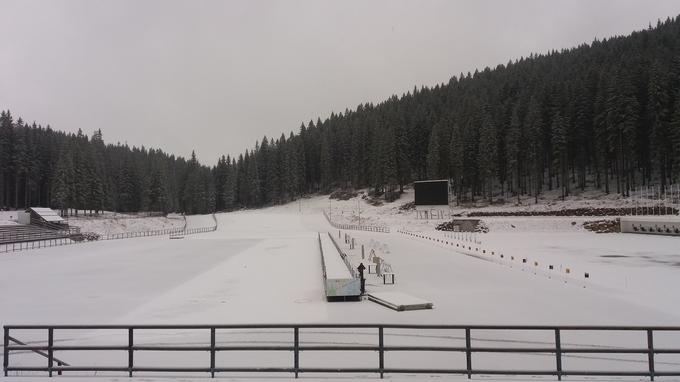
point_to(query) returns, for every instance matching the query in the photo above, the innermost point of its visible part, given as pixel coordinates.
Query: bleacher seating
(22, 233)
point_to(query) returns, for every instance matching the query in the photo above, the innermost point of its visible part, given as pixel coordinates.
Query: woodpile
(450, 226)
(408, 206)
(603, 226)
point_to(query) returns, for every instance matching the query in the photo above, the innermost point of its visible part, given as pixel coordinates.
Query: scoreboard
(431, 192)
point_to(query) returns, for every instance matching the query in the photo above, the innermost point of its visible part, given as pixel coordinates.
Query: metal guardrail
(356, 227)
(297, 347)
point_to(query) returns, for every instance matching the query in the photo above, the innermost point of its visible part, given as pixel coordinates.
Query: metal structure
(356, 227)
(24, 233)
(35, 244)
(651, 225)
(296, 347)
(342, 282)
(41, 242)
(655, 200)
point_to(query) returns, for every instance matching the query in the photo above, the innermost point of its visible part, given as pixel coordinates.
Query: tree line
(603, 115)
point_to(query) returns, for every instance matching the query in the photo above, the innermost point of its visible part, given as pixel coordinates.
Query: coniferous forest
(603, 115)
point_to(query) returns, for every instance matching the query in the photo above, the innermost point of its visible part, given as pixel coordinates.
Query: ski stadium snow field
(264, 267)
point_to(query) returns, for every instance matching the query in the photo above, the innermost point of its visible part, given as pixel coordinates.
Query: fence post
(650, 355)
(50, 352)
(130, 351)
(381, 351)
(296, 350)
(212, 352)
(5, 358)
(468, 352)
(558, 353)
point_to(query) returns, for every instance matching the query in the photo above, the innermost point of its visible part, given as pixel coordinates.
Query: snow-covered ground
(107, 226)
(264, 266)
(115, 225)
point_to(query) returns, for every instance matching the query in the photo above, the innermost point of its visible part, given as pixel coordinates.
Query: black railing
(35, 244)
(554, 348)
(355, 227)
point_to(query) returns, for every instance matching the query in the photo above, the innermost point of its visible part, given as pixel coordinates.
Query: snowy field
(264, 266)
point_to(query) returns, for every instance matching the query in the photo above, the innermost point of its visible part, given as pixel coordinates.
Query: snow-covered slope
(105, 226)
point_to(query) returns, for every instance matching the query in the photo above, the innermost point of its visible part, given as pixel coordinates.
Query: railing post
(650, 354)
(50, 351)
(558, 353)
(296, 350)
(5, 358)
(212, 352)
(131, 352)
(468, 352)
(381, 351)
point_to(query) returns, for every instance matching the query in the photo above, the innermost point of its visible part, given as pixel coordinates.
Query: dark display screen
(432, 193)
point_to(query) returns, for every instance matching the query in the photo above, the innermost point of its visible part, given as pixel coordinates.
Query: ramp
(399, 301)
(340, 280)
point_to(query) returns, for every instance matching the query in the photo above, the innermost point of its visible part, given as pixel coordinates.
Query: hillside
(604, 115)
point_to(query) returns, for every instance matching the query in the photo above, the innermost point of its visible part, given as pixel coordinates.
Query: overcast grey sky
(215, 76)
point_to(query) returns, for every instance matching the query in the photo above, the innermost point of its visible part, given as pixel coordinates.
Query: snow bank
(105, 226)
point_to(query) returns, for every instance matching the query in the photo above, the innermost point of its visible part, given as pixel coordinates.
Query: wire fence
(473, 347)
(356, 227)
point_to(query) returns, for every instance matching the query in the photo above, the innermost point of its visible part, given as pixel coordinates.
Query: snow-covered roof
(47, 214)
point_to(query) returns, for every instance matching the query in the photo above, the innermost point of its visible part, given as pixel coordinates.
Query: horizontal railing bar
(607, 350)
(65, 348)
(254, 369)
(424, 348)
(337, 370)
(464, 371)
(167, 348)
(346, 370)
(564, 350)
(249, 348)
(601, 373)
(350, 326)
(67, 368)
(341, 348)
(666, 351)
